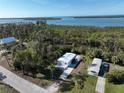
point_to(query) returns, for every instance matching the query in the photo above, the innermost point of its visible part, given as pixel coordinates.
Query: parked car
(2, 76)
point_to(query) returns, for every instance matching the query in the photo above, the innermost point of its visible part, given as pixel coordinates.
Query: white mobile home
(94, 68)
(65, 60)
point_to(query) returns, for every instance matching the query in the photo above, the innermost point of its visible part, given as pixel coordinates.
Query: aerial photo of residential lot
(50, 46)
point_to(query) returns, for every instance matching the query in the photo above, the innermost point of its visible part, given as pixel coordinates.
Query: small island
(41, 18)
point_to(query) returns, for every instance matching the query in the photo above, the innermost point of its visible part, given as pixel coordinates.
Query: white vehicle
(78, 58)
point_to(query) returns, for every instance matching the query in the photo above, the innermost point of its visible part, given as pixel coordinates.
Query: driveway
(68, 71)
(54, 87)
(20, 84)
(100, 86)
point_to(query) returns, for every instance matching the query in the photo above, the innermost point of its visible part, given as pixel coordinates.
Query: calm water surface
(89, 21)
(75, 21)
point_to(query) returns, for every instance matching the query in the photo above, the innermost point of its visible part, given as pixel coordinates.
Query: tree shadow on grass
(118, 82)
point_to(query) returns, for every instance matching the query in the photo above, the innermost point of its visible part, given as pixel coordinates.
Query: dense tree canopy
(45, 43)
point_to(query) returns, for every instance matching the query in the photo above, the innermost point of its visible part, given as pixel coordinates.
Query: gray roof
(7, 40)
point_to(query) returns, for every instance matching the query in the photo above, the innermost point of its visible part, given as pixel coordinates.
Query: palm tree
(5, 54)
(115, 59)
(78, 80)
(6, 58)
(52, 68)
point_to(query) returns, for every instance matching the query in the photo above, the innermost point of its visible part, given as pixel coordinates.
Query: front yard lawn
(114, 88)
(89, 86)
(111, 87)
(6, 89)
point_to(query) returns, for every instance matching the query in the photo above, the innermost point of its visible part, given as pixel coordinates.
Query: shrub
(116, 76)
(17, 65)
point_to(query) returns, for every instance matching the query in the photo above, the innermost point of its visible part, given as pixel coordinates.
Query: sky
(48, 8)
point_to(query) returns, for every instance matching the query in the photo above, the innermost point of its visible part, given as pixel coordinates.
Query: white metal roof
(95, 66)
(66, 58)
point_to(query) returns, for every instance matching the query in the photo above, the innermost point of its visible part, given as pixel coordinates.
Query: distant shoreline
(36, 18)
(42, 18)
(113, 16)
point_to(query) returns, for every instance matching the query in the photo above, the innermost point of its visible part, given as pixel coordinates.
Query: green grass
(42, 81)
(6, 89)
(45, 82)
(89, 86)
(114, 88)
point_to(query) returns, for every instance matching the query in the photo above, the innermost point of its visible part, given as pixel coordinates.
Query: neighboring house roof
(95, 66)
(7, 40)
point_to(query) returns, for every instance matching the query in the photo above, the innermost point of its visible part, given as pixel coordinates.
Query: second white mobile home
(94, 68)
